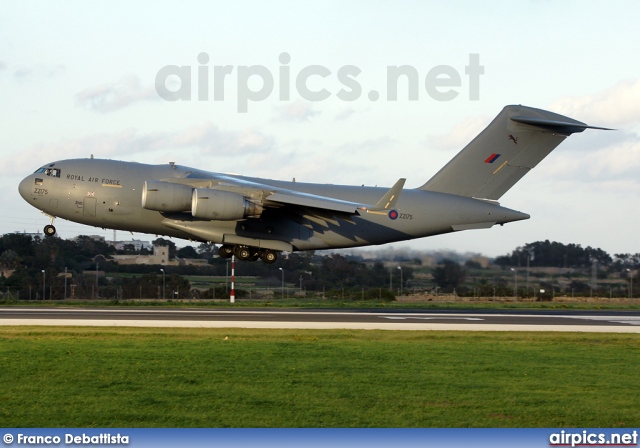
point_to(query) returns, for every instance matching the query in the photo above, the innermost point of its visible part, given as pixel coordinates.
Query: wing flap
(315, 201)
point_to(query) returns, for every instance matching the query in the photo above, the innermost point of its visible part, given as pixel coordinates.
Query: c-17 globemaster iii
(255, 218)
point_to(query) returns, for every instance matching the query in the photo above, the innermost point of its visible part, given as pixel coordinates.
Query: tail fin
(514, 143)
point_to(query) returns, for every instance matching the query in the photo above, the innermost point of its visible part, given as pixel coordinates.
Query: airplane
(255, 218)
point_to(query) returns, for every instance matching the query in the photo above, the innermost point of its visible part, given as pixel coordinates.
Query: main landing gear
(247, 253)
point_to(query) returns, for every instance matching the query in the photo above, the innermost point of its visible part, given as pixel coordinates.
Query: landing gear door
(89, 207)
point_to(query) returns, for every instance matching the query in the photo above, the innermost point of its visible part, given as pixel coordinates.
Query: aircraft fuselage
(108, 194)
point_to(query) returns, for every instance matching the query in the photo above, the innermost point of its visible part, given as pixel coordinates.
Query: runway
(502, 320)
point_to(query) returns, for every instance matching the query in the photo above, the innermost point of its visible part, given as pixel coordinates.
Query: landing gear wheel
(49, 230)
(268, 256)
(225, 251)
(242, 252)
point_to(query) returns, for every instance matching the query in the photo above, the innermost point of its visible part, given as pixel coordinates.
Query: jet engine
(166, 196)
(222, 205)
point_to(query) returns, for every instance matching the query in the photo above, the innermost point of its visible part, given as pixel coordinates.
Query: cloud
(114, 96)
(297, 111)
(610, 159)
(617, 106)
(370, 146)
(3, 65)
(321, 168)
(345, 113)
(25, 73)
(205, 139)
(210, 140)
(615, 164)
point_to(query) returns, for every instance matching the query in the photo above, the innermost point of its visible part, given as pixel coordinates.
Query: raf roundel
(393, 215)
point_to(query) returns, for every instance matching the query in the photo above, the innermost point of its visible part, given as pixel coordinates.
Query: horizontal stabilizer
(561, 127)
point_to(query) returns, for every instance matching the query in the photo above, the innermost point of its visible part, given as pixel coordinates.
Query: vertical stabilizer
(514, 143)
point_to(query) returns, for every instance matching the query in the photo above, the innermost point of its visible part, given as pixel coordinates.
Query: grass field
(84, 377)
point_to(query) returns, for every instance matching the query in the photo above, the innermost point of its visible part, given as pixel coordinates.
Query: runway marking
(431, 318)
(633, 320)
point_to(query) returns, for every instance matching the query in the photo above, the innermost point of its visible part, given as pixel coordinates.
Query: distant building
(91, 237)
(483, 261)
(32, 235)
(160, 256)
(138, 245)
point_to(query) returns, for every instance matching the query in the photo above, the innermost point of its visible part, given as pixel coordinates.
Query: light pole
(43, 285)
(97, 285)
(65, 283)
(163, 283)
(530, 256)
(515, 283)
(310, 276)
(281, 270)
(226, 279)
(630, 286)
(401, 279)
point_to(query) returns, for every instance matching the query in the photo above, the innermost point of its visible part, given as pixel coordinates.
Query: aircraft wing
(275, 196)
(387, 201)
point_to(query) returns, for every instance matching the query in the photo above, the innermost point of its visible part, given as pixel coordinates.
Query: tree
(449, 275)
(553, 254)
(129, 249)
(9, 259)
(206, 251)
(187, 252)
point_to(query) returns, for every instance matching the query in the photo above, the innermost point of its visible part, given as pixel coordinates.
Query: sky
(80, 78)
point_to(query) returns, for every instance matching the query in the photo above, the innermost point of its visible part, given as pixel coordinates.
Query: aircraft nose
(25, 187)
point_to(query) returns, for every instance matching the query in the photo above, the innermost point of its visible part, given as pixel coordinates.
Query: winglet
(388, 201)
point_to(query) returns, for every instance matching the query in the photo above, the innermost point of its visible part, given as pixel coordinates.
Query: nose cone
(25, 187)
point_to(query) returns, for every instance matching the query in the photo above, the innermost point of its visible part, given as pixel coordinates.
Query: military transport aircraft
(255, 218)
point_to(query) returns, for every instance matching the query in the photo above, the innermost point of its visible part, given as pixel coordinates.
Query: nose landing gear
(50, 230)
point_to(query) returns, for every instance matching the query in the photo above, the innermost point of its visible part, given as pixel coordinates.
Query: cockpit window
(51, 172)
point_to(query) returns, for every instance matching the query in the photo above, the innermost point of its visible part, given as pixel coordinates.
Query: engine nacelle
(166, 196)
(222, 205)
